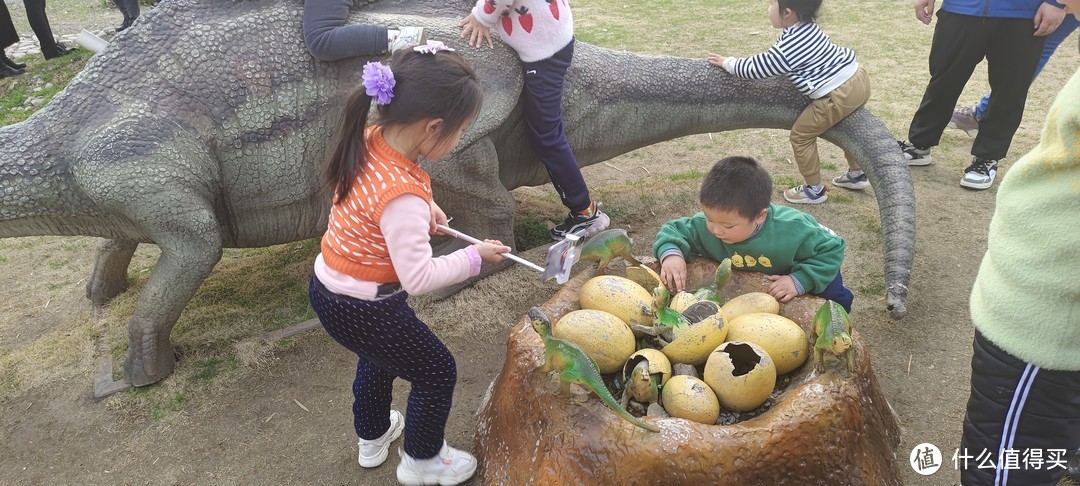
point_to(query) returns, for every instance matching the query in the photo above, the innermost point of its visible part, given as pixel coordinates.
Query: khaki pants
(821, 115)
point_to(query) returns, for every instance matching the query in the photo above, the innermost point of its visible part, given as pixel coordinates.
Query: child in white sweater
(542, 33)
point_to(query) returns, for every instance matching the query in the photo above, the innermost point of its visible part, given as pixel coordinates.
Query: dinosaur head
(661, 297)
(841, 342)
(540, 322)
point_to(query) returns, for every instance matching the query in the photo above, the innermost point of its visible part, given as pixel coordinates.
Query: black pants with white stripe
(391, 342)
(1018, 411)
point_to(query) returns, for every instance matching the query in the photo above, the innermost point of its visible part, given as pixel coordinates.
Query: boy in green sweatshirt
(738, 221)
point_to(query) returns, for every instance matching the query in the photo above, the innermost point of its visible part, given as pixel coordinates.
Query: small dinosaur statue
(607, 245)
(574, 366)
(668, 323)
(714, 292)
(831, 331)
(641, 385)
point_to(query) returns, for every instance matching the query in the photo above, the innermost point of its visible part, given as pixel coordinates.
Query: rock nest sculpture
(833, 427)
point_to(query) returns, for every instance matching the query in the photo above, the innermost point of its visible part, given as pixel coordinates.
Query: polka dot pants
(391, 342)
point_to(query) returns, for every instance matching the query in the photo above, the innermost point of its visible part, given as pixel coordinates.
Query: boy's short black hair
(805, 10)
(737, 184)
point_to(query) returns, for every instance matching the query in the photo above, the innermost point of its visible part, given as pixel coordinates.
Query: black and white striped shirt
(806, 55)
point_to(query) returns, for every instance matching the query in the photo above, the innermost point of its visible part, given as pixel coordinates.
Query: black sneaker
(980, 174)
(915, 155)
(575, 223)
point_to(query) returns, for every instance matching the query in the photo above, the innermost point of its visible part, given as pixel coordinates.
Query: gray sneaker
(405, 38)
(963, 118)
(980, 174)
(847, 181)
(915, 155)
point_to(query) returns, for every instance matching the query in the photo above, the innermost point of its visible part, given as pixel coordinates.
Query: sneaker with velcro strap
(855, 183)
(806, 194)
(915, 155)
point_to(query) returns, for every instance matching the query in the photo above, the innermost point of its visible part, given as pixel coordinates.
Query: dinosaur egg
(619, 296)
(741, 374)
(658, 363)
(689, 398)
(682, 300)
(646, 277)
(784, 340)
(750, 302)
(604, 337)
(707, 330)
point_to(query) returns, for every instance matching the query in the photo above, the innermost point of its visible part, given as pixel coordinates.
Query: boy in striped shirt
(821, 70)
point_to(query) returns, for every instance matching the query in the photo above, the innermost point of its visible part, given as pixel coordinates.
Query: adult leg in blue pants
(967, 118)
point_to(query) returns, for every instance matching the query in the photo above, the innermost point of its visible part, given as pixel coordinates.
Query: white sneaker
(405, 38)
(374, 452)
(450, 466)
(980, 174)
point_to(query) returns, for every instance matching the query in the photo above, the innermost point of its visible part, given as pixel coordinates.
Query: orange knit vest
(353, 243)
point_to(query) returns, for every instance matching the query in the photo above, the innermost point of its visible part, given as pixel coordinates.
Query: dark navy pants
(543, 116)
(1022, 422)
(391, 342)
(836, 292)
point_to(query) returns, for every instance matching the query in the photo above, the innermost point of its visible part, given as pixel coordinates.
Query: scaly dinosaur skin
(205, 126)
(607, 245)
(831, 331)
(574, 366)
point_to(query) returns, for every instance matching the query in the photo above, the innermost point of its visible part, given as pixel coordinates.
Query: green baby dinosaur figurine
(574, 366)
(832, 331)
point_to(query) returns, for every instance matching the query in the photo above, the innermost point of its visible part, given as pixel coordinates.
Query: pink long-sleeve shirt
(404, 225)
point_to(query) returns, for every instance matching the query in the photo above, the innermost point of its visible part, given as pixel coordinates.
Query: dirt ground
(282, 416)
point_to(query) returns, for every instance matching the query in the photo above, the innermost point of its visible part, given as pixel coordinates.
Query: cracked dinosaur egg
(658, 363)
(741, 374)
(784, 340)
(602, 335)
(707, 330)
(689, 398)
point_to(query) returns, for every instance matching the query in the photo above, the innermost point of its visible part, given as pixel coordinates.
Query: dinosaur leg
(166, 190)
(109, 278)
(185, 262)
(467, 187)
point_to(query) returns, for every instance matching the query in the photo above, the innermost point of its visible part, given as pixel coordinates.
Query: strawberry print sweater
(536, 29)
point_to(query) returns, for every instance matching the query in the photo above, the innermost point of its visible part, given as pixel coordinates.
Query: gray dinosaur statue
(205, 125)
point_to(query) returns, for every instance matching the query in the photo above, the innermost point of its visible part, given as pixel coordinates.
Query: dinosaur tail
(609, 400)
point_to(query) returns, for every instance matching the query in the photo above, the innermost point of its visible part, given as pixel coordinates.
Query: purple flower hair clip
(432, 47)
(379, 82)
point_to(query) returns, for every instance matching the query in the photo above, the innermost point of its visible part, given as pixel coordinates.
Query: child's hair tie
(379, 82)
(432, 47)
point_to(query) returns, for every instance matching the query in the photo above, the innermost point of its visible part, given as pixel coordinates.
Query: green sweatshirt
(789, 242)
(1026, 297)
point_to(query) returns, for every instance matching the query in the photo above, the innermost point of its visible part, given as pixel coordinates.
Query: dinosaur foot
(140, 370)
